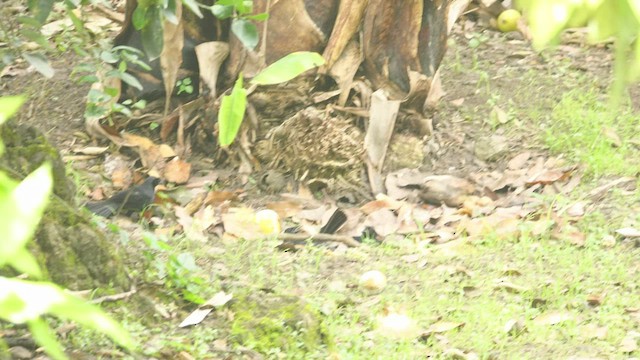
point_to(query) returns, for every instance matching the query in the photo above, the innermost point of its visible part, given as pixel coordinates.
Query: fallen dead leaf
(121, 177)
(577, 209)
(514, 326)
(629, 344)
(518, 161)
(382, 202)
(457, 102)
(285, 209)
(628, 232)
(177, 171)
(444, 326)
(595, 299)
(196, 317)
(384, 222)
(547, 177)
(240, 223)
(593, 331)
(552, 318)
(91, 150)
(217, 197)
(499, 116)
(612, 136)
(509, 286)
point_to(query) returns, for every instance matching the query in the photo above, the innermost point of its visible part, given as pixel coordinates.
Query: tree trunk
(69, 248)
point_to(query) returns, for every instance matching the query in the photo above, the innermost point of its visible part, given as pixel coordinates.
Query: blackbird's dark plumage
(128, 201)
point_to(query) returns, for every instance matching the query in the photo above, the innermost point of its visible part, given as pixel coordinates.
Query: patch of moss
(272, 324)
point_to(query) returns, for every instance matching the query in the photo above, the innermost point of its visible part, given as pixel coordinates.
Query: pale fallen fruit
(397, 325)
(373, 281)
(268, 222)
(508, 20)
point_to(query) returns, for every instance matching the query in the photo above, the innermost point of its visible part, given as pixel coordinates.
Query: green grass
(578, 128)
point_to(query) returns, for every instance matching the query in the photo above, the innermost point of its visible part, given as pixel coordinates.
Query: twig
(347, 240)
(114, 297)
(601, 190)
(111, 14)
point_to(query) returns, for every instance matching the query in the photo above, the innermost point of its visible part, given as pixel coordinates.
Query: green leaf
(40, 9)
(43, 336)
(246, 31)
(78, 24)
(109, 57)
(231, 113)
(40, 63)
(139, 18)
(288, 68)
(25, 301)
(25, 263)
(151, 34)
(9, 105)
(258, 17)
(21, 209)
(36, 37)
(28, 20)
(222, 11)
(193, 6)
(130, 80)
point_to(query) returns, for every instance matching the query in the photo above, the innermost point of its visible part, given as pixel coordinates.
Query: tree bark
(70, 249)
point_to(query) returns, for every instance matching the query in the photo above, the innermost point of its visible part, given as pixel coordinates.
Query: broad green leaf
(40, 63)
(131, 80)
(9, 105)
(28, 20)
(288, 68)
(151, 34)
(222, 11)
(21, 210)
(139, 18)
(258, 17)
(24, 301)
(169, 12)
(36, 37)
(109, 57)
(91, 317)
(40, 9)
(239, 5)
(78, 24)
(193, 6)
(43, 336)
(24, 262)
(231, 113)
(246, 32)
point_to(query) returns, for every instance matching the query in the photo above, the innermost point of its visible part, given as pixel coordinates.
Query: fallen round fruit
(508, 20)
(373, 281)
(268, 222)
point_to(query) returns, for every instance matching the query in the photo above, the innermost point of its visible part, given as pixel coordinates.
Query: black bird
(128, 201)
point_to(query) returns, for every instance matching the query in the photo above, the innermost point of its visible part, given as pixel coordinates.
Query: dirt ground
(503, 72)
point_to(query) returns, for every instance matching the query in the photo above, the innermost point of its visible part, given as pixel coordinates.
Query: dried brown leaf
(171, 55)
(552, 318)
(518, 161)
(177, 171)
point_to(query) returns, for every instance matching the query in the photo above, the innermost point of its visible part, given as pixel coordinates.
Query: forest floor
(543, 262)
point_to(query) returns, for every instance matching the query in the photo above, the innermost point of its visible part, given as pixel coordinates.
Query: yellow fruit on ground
(508, 20)
(373, 281)
(268, 222)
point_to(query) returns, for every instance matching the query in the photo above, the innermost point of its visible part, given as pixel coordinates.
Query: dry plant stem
(114, 297)
(347, 240)
(111, 14)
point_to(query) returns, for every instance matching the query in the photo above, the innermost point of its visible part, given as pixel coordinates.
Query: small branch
(114, 297)
(347, 240)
